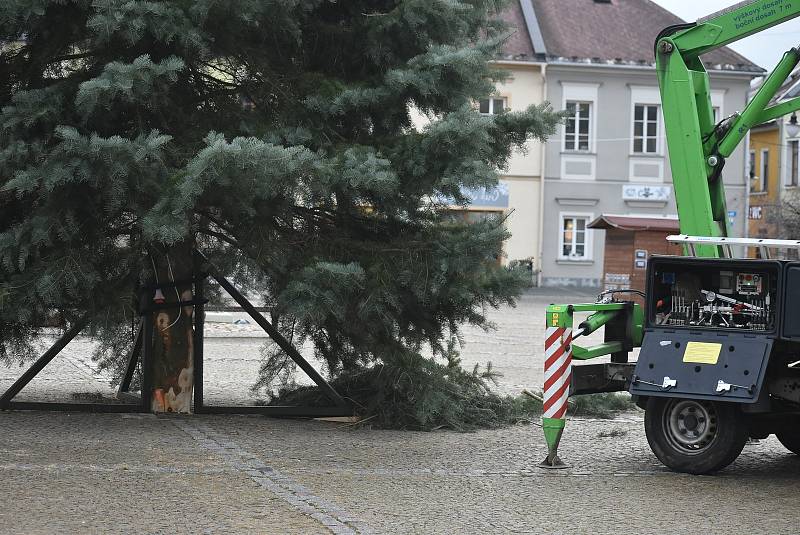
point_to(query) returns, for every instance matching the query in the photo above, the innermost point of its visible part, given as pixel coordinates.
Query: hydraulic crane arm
(735, 23)
(699, 147)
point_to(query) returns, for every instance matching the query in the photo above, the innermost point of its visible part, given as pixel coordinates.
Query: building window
(645, 129)
(574, 240)
(794, 150)
(492, 106)
(763, 179)
(578, 126)
(752, 165)
(718, 104)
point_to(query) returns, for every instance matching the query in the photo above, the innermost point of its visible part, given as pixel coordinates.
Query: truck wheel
(694, 436)
(790, 440)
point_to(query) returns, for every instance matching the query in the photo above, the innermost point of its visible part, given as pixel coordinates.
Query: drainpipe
(542, 171)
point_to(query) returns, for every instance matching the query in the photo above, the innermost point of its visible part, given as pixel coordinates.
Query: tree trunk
(173, 339)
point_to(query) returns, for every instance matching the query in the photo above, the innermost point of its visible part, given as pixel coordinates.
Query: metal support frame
(141, 354)
(133, 360)
(602, 377)
(340, 406)
(147, 360)
(7, 399)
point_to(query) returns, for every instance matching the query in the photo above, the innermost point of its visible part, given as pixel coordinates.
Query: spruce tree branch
(70, 57)
(219, 235)
(216, 221)
(217, 68)
(213, 79)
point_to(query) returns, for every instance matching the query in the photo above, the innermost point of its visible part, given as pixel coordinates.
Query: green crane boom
(699, 147)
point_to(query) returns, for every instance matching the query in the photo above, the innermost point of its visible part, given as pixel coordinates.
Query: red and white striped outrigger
(557, 371)
(557, 376)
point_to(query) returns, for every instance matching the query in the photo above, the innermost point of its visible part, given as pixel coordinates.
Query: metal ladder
(764, 246)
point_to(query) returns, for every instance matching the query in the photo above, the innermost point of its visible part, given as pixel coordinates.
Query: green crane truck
(720, 337)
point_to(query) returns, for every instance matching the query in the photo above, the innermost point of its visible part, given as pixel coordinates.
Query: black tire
(790, 438)
(694, 436)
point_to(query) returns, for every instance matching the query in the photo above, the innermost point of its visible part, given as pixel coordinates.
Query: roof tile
(519, 44)
(615, 31)
(635, 223)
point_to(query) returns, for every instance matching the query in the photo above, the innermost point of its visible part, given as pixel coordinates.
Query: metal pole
(133, 360)
(199, 322)
(147, 361)
(43, 361)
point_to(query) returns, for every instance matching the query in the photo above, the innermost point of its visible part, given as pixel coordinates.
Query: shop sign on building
(487, 197)
(635, 192)
(617, 281)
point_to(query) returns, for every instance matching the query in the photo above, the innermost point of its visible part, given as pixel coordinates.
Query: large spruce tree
(274, 135)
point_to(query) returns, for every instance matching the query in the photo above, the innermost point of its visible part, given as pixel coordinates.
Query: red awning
(624, 222)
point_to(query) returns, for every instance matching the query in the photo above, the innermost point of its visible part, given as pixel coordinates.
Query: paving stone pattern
(296, 495)
(80, 473)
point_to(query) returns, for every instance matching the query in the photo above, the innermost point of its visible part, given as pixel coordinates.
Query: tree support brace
(141, 355)
(7, 399)
(342, 407)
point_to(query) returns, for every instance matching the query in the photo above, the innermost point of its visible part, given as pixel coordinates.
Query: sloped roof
(624, 222)
(608, 32)
(519, 45)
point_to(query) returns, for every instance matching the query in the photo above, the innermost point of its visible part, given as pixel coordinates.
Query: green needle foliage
(276, 136)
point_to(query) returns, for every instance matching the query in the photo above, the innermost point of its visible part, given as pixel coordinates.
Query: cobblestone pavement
(79, 473)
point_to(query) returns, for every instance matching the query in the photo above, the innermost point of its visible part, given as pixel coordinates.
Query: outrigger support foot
(553, 463)
(553, 429)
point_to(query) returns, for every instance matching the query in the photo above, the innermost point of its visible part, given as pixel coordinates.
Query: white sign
(496, 197)
(617, 281)
(633, 192)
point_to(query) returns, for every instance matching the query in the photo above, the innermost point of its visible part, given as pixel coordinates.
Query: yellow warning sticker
(555, 320)
(702, 353)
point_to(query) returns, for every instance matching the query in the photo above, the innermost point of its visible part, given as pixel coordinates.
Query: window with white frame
(794, 156)
(574, 237)
(578, 126)
(763, 179)
(645, 129)
(718, 104)
(752, 165)
(579, 100)
(492, 106)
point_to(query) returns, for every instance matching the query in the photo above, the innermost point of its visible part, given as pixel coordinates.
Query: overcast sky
(765, 48)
